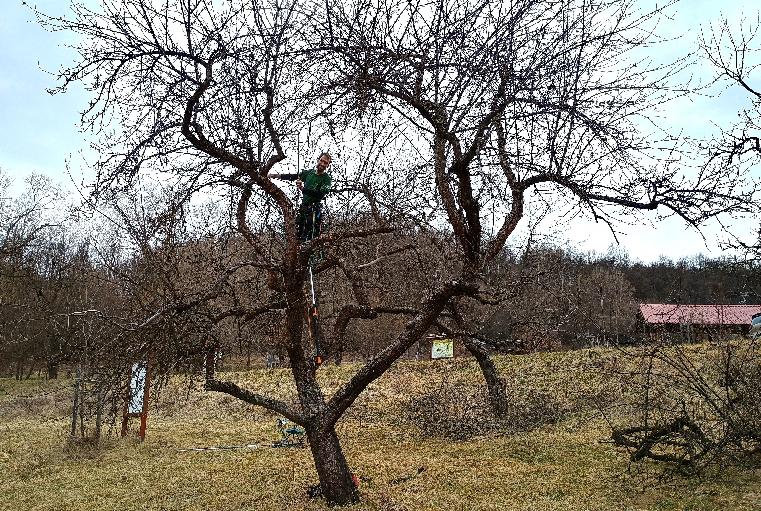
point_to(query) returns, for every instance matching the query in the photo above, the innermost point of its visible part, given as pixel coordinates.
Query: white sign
(137, 387)
(442, 348)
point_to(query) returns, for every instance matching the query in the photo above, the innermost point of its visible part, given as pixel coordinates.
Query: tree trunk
(340, 352)
(335, 477)
(52, 369)
(494, 384)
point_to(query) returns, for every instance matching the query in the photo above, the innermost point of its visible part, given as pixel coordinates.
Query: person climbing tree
(314, 184)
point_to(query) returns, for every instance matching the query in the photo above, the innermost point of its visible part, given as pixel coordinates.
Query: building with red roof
(695, 319)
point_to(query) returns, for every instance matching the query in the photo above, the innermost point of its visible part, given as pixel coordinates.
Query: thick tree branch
(414, 329)
(277, 406)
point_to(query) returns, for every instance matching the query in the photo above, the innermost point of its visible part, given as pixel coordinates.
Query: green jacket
(316, 186)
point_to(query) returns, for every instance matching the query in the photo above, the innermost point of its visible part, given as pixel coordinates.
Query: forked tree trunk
(494, 384)
(335, 477)
(332, 469)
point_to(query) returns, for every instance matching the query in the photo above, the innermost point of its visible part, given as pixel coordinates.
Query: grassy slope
(561, 465)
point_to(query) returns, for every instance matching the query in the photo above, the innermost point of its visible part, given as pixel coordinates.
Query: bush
(460, 411)
(698, 405)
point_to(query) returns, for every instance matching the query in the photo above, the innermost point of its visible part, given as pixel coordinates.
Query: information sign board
(137, 388)
(442, 348)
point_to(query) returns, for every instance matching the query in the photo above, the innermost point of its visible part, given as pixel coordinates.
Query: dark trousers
(309, 222)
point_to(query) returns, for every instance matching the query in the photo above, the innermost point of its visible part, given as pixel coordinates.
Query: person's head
(323, 162)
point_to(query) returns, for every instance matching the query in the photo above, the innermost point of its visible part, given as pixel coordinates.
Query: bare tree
(25, 218)
(496, 104)
(207, 94)
(732, 51)
(527, 102)
(27, 225)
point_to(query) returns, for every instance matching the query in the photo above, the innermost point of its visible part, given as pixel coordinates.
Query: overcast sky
(39, 132)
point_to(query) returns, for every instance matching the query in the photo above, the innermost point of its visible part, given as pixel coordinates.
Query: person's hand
(299, 184)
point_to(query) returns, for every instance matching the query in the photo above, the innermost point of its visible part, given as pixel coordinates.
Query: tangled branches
(698, 406)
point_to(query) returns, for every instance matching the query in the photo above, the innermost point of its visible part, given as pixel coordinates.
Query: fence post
(77, 378)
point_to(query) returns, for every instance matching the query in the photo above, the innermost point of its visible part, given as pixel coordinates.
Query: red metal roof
(663, 313)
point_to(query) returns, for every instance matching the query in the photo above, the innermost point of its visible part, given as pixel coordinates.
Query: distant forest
(692, 280)
(62, 294)
(574, 299)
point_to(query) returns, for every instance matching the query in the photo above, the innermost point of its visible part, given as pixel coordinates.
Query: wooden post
(125, 411)
(98, 409)
(75, 407)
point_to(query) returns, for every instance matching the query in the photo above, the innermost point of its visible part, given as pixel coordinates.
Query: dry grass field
(420, 439)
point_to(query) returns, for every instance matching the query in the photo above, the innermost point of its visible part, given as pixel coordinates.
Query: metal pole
(311, 283)
(312, 318)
